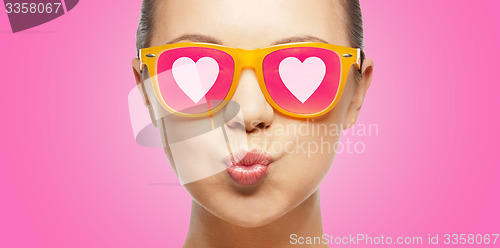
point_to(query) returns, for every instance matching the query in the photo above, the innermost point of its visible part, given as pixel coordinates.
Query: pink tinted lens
(302, 80)
(194, 80)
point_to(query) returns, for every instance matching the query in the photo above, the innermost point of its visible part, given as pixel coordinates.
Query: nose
(256, 111)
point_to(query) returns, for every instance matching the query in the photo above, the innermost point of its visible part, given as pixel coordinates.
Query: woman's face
(301, 150)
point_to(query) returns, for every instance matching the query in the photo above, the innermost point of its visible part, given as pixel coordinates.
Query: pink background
(71, 174)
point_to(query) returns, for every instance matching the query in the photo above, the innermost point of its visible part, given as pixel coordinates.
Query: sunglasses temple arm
(141, 66)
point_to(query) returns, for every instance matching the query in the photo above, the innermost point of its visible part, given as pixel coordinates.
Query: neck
(207, 230)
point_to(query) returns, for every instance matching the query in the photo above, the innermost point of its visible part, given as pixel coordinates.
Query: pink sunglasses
(300, 79)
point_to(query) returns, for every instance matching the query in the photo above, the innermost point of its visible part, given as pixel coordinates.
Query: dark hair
(355, 24)
(143, 34)
(352, 8)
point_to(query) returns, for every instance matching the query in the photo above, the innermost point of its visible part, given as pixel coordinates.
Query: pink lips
(248, 168)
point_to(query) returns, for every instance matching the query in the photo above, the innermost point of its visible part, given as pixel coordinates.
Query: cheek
(166, 148)
(319, 147)
(338, 114)
(310, 156)
(155, 108)
(349, 89)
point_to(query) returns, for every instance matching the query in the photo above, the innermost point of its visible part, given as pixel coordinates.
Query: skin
(287, 200)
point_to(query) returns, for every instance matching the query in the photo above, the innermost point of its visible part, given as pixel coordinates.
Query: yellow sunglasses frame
(250, 59)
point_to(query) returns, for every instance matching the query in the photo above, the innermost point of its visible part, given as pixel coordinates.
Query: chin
(250, 216)
(252, 206)
(249, 209)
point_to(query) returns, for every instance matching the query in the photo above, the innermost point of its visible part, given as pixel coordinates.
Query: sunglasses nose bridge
(248, 59)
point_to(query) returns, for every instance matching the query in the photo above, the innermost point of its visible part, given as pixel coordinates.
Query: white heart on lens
(302, 78)
(195, 79)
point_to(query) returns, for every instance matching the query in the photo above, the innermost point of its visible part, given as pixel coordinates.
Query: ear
(359, 94)
(136, 68)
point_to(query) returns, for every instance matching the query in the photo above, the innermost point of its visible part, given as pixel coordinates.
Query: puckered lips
(248, 167)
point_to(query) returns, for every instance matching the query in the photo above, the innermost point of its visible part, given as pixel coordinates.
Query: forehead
(249, 23)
